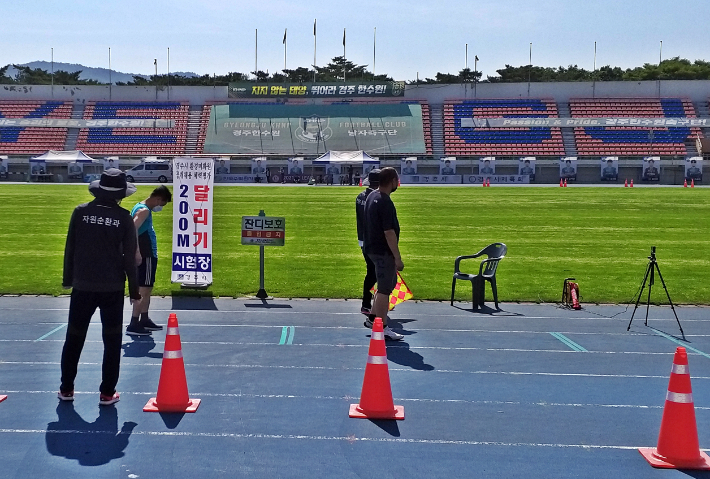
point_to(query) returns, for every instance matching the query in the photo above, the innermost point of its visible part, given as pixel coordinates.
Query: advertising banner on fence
(526, 166)
(573, 122)
(487, 166)
(651, 168)
(111, 162)
(431, 179)
(447, 166)
(694, 168)
(497, 179)
(609, 168)
(568, 167)
(282, 129)
(192, 220)
(316, 90)
(408, 166)
(67, 123)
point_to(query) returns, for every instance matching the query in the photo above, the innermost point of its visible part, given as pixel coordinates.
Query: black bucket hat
(373, 178)
(112, 185)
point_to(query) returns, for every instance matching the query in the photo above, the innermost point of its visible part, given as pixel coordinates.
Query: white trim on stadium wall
(65, 123)
(574, 122)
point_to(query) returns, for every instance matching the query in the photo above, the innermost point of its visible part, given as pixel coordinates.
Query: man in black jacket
(99, 255)
(373, 180)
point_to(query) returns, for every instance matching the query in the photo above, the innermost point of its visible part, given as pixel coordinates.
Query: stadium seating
(135, 141)
(628, 140)
(28, 140)
(469, 141)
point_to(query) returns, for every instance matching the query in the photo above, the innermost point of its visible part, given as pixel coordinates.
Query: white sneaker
(389, 334)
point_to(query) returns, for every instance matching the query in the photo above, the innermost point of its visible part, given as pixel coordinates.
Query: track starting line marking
(287, 333)
(51, 332)
(568, 342)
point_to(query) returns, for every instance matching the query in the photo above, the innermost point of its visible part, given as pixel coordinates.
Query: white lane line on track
(358, 314)
(351, 398)
(159, 345)
(325, 368)
(350, 439)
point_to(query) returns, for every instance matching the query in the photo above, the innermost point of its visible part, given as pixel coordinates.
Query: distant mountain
(89, 73)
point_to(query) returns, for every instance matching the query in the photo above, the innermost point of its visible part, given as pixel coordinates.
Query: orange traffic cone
(561, 184)
(376, 396)
(488, 182)
(626, 183)
(685, 183)
(692, 183)
(678, 439)
(631, 185)
(172, 388)
(483, 184)
(565, 183)
(360, 182)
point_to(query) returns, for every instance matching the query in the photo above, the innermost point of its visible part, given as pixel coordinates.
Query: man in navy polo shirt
(381, 240)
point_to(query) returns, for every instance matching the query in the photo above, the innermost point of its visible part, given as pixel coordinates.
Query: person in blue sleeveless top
(146, 258)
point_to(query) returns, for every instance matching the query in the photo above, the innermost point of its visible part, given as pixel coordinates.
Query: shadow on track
(90, 443)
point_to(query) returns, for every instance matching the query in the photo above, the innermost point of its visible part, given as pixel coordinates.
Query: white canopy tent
(72, 156)
(346, 158)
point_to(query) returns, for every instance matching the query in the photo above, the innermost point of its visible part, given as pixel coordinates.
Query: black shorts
(386, 272)
(146, 272)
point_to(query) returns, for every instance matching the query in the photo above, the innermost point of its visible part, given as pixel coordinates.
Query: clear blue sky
(211, 36)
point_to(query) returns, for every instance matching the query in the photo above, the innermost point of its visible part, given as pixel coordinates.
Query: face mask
(155, 209)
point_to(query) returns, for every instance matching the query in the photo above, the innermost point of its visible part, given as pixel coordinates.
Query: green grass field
(601, 236)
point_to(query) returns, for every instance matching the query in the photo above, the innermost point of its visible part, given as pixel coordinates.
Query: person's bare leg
(145, 292)
(379, 307)
(142, 305)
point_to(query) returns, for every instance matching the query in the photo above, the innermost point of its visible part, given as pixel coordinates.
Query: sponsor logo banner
(497, 179)
(66, 123)
(315, 90)
(572, 122)
(431, 179)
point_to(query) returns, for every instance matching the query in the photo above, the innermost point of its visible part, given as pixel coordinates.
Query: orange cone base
(2, 398)
(152, 406)
(358, 413)
(656, 460)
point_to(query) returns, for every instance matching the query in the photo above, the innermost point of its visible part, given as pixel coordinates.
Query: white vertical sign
(193, 180)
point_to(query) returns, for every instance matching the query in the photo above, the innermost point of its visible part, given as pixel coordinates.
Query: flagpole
(52, 72)
(168, 73)
(285, 31)
(315, 38)
(530, 69)
(660, 54)
(109, 73)
(256, 52)
(466, 62)
(594, 74)
(374, 54)
(475, 78)
(343, 55)
(155, 62)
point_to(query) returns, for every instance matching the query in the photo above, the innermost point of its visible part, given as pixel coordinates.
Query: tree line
(340, 69)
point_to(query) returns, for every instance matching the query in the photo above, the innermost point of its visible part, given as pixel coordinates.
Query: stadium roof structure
(346, 158)
(71, 156)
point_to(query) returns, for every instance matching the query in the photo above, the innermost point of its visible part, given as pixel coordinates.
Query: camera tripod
(650, 269)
